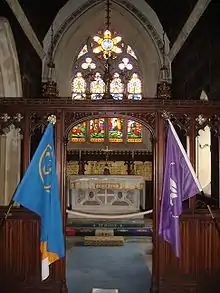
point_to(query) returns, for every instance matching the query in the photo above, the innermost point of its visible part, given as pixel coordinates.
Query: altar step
(115, 224)
(143, 231)
(103, 241)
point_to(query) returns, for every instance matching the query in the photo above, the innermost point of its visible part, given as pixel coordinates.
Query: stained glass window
(79, 132)
(134, 131)
(97, 130)
(83, 51)
(116, 87)
(106, 64)
(78, 87)
(134, 88)
(115, 129)
(131, 52)
(97, 87)
(111, 130)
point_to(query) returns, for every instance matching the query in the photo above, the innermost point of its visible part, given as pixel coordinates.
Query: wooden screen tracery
(198, 266)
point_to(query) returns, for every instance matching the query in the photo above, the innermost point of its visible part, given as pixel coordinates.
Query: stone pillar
(10, 162)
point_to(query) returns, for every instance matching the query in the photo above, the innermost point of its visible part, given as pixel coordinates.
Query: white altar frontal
(106, 194)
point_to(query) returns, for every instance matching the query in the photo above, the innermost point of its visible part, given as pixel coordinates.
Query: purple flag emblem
(179, 183)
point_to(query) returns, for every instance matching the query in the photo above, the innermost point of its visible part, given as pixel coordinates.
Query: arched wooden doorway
(80, 149)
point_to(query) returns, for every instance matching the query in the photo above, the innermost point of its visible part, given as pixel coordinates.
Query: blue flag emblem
(39, 192)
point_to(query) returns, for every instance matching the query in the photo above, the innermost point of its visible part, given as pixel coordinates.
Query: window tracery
(116, 87)
(106, 67)
(78, 87)
(134, 88)
(97, 87)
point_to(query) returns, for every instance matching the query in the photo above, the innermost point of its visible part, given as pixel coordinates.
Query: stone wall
(10, 162)
(197, 65)
(29, 62)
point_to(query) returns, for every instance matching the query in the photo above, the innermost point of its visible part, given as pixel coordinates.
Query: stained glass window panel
(134, 88)
(78, 87)
(116, 87)
(97, 87)
(97, 130)
(79, 133)
(115, 129)
(83, 51)
(131, 52)
(134, 131)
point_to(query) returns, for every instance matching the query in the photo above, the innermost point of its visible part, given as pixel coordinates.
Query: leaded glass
(97, 130)
(78, 87)
(107, 44)
(134, 88)
(115, 126)
(117, 68)
(131, 52)
(134, 130)
(116, 87)
(97, 87)
(79, 132)
(83, 51)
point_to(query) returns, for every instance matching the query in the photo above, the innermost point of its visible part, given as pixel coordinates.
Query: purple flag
(179, 184)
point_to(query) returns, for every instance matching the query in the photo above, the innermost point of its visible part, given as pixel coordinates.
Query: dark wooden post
(158, 160)
(129, 167)
(215, 167)
(81, 167)
(192, 156)
(60, 267)
(26, 142)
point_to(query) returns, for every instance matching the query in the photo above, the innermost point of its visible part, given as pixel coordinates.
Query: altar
(106, 194)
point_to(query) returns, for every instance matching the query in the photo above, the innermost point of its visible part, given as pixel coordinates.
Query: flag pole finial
(165, 115)
(52, 119)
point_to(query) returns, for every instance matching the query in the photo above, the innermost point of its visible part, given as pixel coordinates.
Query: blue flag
(39, 192)
(179, 184)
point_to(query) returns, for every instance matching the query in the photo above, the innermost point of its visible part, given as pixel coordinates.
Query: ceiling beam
(194, 17)
(27, 28)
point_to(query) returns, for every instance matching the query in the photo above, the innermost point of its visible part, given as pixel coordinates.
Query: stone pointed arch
(10, 77)
(138, 25)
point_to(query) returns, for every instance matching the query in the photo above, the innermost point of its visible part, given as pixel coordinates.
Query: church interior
(112, 72)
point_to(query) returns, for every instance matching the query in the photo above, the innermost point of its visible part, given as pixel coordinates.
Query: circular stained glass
(107, 44)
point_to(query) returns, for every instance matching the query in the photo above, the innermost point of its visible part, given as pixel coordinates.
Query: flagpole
(214, 219)
(3, 220)
(51, 119)
(9, 207)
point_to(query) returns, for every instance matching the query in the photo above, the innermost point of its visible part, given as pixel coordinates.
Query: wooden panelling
(198, 268)
(20, 261)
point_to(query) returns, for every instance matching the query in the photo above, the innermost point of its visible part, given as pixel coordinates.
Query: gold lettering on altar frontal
(108, 185)
(116, 168)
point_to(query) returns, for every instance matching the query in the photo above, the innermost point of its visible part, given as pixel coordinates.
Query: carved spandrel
(182, 121)
(8, 120)
(212, 121)
(71, 117)
(148, 118)
(39, 120)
